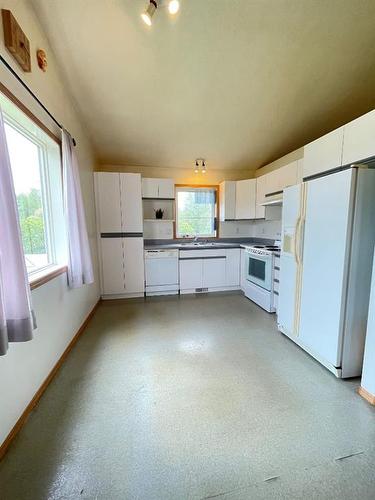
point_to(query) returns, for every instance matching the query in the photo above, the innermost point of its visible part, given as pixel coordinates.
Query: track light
(200, 162)
(173, 7)
(149, 12)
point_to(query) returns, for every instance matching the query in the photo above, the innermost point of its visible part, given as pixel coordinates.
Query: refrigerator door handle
(301, 240)
(296, 241)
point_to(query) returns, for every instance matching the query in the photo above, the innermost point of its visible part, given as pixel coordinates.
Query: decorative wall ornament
(41, 57)
(16, 41)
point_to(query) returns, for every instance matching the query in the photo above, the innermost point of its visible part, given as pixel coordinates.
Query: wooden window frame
(52, 271)
(210, 186)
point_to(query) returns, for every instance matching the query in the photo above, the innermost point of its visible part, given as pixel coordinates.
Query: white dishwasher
(162, 276)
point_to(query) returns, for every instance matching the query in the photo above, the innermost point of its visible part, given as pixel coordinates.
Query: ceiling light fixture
(173, 7)
(200, 162)
(149, 12)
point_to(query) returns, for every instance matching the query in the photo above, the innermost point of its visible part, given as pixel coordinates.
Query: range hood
(273, 199)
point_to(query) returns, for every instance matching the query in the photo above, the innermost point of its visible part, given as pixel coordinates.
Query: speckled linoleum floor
(192, 398)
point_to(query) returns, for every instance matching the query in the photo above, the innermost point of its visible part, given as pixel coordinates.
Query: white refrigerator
(328, 237)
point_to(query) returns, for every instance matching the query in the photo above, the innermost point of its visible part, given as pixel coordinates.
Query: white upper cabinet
(119, 202)
(108, 202)
(227, 200)
(166, 188)
(323, 154)
(245, 199)
(260, 211)
(359, 139)
(158, 188)
(150, 188)
(131, 203)
(288, 175)
(283, 177)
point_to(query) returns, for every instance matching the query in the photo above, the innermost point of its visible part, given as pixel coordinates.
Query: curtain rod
(7, 65)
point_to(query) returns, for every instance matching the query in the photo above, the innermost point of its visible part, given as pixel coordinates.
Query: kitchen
(187, 287)
(267, 271)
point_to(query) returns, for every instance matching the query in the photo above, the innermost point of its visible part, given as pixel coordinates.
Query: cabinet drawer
(201, 254)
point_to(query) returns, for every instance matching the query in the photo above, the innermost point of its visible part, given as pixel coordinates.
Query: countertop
(221, 243)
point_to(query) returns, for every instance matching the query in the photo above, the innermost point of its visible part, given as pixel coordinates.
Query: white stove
(263, 249)
(260, 274)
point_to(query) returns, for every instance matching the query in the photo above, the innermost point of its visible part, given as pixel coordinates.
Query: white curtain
(16, 318)
(79, 262)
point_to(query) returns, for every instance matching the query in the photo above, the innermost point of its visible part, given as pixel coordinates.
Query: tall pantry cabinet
(118, 198)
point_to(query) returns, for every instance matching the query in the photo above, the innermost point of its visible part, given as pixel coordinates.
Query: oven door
(259, 270)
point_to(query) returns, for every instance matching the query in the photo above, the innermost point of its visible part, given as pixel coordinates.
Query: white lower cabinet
(112, 270)
(214, 272)
(232, 267)
(209, 269)
(122, 267)
(133, 265)
(191, 272)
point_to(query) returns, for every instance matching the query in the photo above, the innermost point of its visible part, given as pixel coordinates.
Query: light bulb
(203, 170)
(173, 7)
(196, 170)
(146, 18)
(149, 12)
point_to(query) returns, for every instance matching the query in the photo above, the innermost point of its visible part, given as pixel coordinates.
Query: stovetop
(264, 249)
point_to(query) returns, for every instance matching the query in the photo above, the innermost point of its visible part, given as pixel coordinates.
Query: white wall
(368, 373)
(59, 311)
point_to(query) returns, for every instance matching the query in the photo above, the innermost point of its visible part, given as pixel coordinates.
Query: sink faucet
(196, 239)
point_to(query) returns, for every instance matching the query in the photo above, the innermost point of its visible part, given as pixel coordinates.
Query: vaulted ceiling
(239, 82)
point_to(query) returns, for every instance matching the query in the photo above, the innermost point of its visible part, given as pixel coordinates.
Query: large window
(196, 210)
(36, 170)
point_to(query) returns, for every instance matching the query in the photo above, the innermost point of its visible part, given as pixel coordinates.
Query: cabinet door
(214, 272)
(243, 281)
(232, 267)
(191, 274)
(245, 199)
(150, 188)
(260, 211)
(133, 265)
(323, 154)
(273, 182)
(227, 200)
(131, 203)
(112, 266)
(108, 202)
(359, 139)
(166, 188)
(288, 175)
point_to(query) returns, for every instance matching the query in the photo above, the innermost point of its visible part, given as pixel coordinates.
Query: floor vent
(201, 290)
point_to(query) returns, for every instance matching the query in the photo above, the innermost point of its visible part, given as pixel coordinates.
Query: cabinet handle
(204, 258)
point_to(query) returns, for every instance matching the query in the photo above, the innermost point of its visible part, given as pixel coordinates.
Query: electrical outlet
(237, 230)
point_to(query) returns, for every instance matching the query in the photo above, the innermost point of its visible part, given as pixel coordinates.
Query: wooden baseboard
(21, 421)
(367, 395)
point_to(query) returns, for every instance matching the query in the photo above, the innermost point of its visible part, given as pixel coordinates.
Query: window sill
(41, 278)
